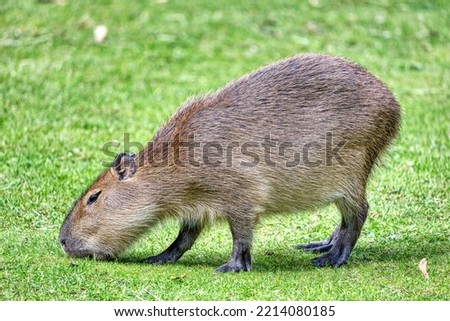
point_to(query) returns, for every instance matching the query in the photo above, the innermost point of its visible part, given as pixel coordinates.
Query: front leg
(240, 260)
(187, 236)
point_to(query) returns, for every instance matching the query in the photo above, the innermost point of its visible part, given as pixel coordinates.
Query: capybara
(292, 136)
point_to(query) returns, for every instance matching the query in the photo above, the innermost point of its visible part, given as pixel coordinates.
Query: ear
(124, 166)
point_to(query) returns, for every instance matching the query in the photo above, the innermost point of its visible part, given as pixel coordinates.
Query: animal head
(111, 214)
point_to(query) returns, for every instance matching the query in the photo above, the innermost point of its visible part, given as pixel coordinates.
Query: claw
(336, 257)
(319, 247)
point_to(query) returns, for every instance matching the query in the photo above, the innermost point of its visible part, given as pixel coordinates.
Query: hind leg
(344, 238)
(339, 245)
(321, 246)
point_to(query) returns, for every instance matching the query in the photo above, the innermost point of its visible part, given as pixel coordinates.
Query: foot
(319, 247)
(337, 256)
(336, 248)
(322, 246)
(234, 267)
(161, 258)
(189, 232)
(240, 262)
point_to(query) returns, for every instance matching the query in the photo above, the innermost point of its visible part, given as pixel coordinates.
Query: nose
(63, 242)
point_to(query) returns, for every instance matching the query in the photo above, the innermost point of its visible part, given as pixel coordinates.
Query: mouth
(85, 253)
(89, 255)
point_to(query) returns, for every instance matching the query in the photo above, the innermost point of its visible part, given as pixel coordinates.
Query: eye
(93, 198)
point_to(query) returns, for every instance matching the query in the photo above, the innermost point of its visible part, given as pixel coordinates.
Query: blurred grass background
(63, 96)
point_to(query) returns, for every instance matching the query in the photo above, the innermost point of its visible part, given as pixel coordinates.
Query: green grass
(63, 97)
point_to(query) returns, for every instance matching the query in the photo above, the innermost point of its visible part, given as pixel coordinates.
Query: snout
(77, 245)
(63, 243)
(68, 244)
(65, 247)
(72, 248)
(76, 249)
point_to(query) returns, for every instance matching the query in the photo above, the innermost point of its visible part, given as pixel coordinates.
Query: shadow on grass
(290, 259)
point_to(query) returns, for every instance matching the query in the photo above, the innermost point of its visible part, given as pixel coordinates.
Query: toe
(229, 268)
(321, 261)
(316, 247)
(337, 257)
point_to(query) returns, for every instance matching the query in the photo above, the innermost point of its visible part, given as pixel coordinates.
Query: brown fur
(297, 100)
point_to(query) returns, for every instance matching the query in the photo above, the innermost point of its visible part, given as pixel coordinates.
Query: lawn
(63, 96)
